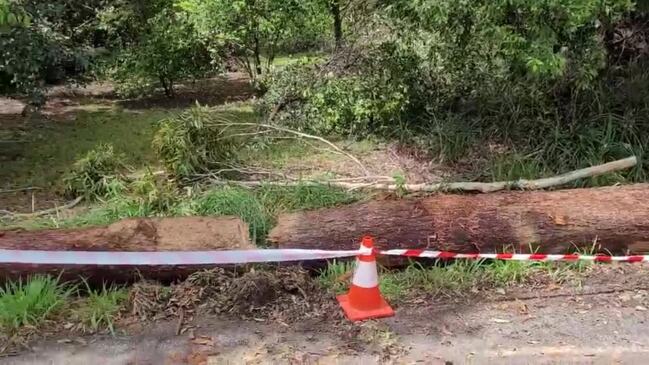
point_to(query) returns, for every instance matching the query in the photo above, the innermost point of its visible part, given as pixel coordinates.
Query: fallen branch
(457, 186)
(335, 148)
(69, 205)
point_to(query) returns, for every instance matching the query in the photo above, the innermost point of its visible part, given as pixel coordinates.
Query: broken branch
(458, 186)
(69, 205)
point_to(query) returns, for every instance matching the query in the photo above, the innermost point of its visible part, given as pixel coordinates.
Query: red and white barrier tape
(179, 258)
(175, 258)
(515, 256)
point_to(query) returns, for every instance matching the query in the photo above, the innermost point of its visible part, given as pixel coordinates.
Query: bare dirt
(232, 87)
(601, 321)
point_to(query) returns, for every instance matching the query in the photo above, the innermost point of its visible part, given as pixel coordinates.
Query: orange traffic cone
(364, 301)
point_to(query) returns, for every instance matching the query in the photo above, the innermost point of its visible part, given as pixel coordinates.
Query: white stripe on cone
(365, 275)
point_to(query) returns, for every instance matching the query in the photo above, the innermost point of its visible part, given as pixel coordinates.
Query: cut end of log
(137, 234)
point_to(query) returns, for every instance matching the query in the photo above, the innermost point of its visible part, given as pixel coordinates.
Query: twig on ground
(28, 188)
(39, 213)
(458, 186)
(179, 325)
(243, 170)
(135, 176)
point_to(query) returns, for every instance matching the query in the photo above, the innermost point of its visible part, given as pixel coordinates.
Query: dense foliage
(253, 31)
(457, 77)
(167, 51)
(39, 42)
(97, 174)
(460, 77)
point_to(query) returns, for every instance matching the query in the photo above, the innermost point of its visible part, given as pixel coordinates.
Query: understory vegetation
(510, 89)
(523, 89)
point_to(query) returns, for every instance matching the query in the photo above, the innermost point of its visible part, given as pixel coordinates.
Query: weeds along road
(534, 324)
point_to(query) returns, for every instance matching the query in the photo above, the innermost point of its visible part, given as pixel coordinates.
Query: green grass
(239, 202)
(276, 154)
(452, 279)
(502, 273)
(437, 279)
(99, 308)
(31, 302)
(51, 149)
(259, 207)
(303, 197)
(557, 150)
(287, 59)
(332, 276)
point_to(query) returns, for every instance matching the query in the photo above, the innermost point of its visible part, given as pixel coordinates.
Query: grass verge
(99, 308)
(51, 149)
(455, 278)
(31, 302)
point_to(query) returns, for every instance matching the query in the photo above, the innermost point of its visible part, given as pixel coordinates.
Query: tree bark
(615, 218)
(142, 234)
(167, 86)
(257, 54)
(334, 7)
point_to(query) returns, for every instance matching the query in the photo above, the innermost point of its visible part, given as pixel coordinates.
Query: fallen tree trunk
(616, 218)
(140, 234)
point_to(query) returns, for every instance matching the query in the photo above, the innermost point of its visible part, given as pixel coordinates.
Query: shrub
(154, 194)
(313, 99)
(517, 88)
(97, 174)
(194, 141)
(355, 105)
(167, 51)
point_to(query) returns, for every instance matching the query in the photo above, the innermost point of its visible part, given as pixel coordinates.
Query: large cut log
(616, 218)
(140, 234)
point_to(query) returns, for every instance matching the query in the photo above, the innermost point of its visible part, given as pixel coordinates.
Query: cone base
(354, 314)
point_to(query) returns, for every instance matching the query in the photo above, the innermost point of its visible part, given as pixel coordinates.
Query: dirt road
(605, 323)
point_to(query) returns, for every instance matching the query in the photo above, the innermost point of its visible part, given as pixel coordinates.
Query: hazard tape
(168, 258)
(515, 256)
(180, 258)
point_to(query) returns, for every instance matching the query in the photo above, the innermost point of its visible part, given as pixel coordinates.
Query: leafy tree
(469, 42)
(428, 59)
(167, 50)
(255, 29)
(40, 42)
(121, 22)
(348, 16)
(20, 48)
